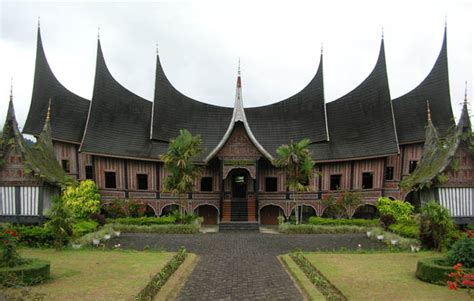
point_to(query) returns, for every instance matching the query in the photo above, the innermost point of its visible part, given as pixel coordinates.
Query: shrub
(115, 209)
(82, 200)
(34, 236)
(81, 228)
(135, 208)
(406, 229)
(400, 210)
(60, 223)
(435, 224)
(31, 272)
(315, 220)
(386, 220)
(319, 229)
(433, 270)
(462, 251)
(145, 220)
(163, 229)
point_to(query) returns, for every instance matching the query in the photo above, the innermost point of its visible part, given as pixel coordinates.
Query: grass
(380, 276)
(96, 274)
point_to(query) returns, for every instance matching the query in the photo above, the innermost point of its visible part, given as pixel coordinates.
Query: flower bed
(163, 229)
(155, 284)
(33, 271)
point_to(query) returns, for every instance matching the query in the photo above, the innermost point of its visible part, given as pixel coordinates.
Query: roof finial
(39, 21)
(11, 89)
(48, 115)
(465, 95)
(428, 110)
(445, 20)
(238, 71)
(98, 33)
(382, 33)
(156, 46)
(321, 48)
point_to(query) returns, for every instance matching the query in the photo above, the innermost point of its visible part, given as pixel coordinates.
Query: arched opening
(334, 211)
(169, 209)
(149, 211)
(269, 215)
(366, 211)
(305, 212)
(209, 214)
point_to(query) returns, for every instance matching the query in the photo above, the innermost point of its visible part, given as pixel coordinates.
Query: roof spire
(98, 33)
(156, 46)
(321, 48)
(382, 33)
(39, 21)
(428, 110)
(445, 20)
(238, 71)
(11, 89)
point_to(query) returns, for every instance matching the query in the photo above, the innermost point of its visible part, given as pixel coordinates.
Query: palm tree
(295, 159)
(178, 161)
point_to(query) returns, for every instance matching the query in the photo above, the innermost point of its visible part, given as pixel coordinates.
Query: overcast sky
(279, 44)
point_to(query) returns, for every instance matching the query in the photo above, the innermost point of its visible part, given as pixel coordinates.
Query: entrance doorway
(239, 184)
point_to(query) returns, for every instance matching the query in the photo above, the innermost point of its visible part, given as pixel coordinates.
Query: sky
(200, 42)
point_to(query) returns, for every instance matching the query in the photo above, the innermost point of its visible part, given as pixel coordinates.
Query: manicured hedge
(408, 230)
(435, 270)
(314, 220)
(144, 221)
(30, 273)
(163, 229)
(319, 229)
(157, 282)
(35, 236)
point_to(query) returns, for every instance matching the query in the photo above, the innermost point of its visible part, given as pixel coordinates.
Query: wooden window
(367, 180)
(89, 172)
(206, 184)
(110, 180)
(335, 182)
(142, 181)
(65, 164)
(389, 173)
(271, 184)
(413, 164)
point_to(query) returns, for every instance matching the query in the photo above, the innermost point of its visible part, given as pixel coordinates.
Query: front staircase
(239, 215)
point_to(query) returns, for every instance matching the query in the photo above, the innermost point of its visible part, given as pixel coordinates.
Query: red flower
(457, 267)
(11, 232)
(452, 285)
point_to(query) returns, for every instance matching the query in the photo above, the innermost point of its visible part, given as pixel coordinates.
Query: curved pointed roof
(361, 123)
(69, 110)
(173, 111)
(118, 122)
(409, 109)
(302, 115)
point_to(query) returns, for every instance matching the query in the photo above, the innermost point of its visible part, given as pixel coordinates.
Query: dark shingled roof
(119, 121)
(69, 111)
(410, 109)
(173, 111)
(300, 116)
(361, 122)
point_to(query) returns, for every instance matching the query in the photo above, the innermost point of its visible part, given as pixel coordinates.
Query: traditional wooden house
(364, 141)
(30, 175)
(445, 172)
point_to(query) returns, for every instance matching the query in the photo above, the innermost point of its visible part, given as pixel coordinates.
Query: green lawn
(380, 276)
(97, 274)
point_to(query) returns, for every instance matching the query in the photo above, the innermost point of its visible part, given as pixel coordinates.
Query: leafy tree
(435, 224)
(82, 200)
(295, 159)
(178, 161)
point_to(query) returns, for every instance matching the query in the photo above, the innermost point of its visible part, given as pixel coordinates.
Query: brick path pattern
(242, 266)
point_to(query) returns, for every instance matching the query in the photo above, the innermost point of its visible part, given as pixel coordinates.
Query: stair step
(238, 227)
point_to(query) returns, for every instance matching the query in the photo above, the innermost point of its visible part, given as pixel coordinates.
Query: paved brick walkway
(242, 266)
